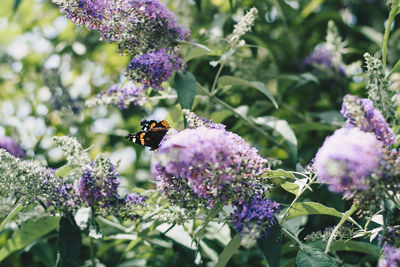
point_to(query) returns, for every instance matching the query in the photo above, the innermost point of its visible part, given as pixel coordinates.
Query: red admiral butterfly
(151, 135)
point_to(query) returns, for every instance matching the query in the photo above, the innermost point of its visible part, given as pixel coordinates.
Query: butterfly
(151, 135)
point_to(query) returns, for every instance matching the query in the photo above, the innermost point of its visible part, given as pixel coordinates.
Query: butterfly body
(151, 135)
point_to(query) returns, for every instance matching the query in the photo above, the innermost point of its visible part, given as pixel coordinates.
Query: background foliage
(49, 67)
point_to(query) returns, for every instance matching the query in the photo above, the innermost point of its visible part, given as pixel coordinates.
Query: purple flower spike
(154, 68)
(347, 158)
(391, 257)
(96, 190)
(11, 147)
(255, 216)
(360, 112)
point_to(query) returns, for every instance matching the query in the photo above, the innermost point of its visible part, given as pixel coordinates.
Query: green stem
(92, 258)
(342, 221)
(247, 120)
(296, 198)
(214, 86)
(291, 237)
(392, 15)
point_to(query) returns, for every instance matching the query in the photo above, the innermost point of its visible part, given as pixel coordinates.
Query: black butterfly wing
(154, 137)
(148, 124)
(151, 138)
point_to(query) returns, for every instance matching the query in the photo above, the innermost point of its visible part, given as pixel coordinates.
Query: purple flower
(122, 98)
(211, 165)
(360, 112)
(154, 68)
(391, 257)
(320, 56)
(11, 147)
(255, 216)
(98, 189)
(320, 61)
(346, 159)
(195, 121)
(144, 29)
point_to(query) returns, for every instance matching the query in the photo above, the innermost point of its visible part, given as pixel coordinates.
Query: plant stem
(342, 221)
(247, 120)
(291, 236)
(92, 258)
(296, 198)
(392, 15)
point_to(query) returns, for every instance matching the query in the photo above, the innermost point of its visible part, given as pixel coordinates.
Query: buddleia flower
(11, 147)
(146, 30)
(347, 159)
(253, 218)
(361, 113)
(207, 164)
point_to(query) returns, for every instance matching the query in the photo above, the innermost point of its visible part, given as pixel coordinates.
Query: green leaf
(196, 50)
(28, 233)
(10, 216)
(349, 245)
(230, 80)
(372, 34)
(69, 242)
(16, 5)
(186, 87)
(174, 116)
(280, 173)
(291, 187)
(85, 220)
(313, 5)
(283, 128)
(229, 251)
(311, 257)
(311, 208)
(312, 126)
(396, 68)
(272, 246)
(64, 171)
(210, 215)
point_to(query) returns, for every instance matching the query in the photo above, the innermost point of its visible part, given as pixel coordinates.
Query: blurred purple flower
(391, 257)
(212, 164)
(254, 216)
(122, 98)
(346, 159)
(153, 68)
(98, 190)
(360, 112)
(320, 56)
(320, 61)
(11, 147)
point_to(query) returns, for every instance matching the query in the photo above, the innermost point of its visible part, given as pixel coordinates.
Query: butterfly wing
(148, 124)
(151, 138)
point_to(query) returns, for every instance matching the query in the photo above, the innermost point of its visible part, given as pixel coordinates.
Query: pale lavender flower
(347, 158)
(254, 217)
(360, 112)
(11, 147)
(211, 164)
(153, 68)
(391, 257)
